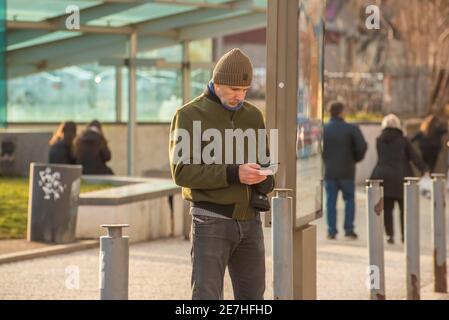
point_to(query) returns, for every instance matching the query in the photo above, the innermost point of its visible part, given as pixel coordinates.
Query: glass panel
(159, 91)
(50, 37)
(310, 109)
(81, 93)
(78, 93)
(201, 50)
(169, 54)
(140, 13)
(158, 94)
(149, 11)
(199, 78)
(27, 10)
(2, 63)
(258, 85)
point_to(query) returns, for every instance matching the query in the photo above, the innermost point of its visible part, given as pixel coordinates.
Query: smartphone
(268, 169)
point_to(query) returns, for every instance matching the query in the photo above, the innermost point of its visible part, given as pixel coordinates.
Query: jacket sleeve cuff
(232, 173)
(266, 186)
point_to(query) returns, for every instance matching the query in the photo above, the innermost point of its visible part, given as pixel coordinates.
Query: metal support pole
(132, 105)
(118, 93)
(114, 263)
(411, 207)
(304, 263)
(282, 241)
(375, 211)
(439, 232)
(186, 72)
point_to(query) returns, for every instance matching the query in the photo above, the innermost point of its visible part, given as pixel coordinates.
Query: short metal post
(114, 263)
(132, 103)
(375, 211)
(411, 207)
(439, 232)
(282, 241)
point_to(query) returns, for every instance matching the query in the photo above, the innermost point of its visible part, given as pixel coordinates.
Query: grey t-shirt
(203, 212)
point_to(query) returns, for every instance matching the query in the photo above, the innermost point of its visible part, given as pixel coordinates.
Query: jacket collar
(210, 93)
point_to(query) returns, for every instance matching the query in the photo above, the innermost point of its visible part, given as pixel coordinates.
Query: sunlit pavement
(161, 269)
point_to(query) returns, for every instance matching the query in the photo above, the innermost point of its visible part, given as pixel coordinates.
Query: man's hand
(249, 174)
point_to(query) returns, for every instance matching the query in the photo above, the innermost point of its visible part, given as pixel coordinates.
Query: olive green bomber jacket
(215, 187)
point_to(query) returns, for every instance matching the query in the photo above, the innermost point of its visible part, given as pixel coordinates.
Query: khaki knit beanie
(233, 69)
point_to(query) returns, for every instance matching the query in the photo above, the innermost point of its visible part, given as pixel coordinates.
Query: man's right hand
(249, 174)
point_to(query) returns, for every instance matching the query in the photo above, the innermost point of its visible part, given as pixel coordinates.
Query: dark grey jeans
(219, 243)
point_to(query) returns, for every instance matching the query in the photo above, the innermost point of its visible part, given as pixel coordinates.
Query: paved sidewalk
(161, 269)
(16, 245)
(20, 250)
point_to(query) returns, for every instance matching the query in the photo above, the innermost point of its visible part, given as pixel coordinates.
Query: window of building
(86, 92)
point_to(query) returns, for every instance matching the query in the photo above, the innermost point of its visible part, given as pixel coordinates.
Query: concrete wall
(148, 219)
(152, 146)
(151, 150)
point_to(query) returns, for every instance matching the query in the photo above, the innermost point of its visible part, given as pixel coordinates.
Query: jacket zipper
(248, 192)
(232, 118)
(233, 127)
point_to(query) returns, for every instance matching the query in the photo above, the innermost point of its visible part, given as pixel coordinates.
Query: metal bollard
(439, 232)
(282, 241)
(411, 207)
(375, 209)
(114, 263)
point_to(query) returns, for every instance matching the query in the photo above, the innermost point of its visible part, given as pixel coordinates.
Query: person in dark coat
(61, 144)
(395, 153)
(91, 150)
(344, 146)
(429, 139)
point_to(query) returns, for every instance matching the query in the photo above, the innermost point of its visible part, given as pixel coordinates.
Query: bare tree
(411, 48)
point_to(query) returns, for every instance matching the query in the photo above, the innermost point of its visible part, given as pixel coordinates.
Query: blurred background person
(395, 153)
(91, 150)
(61, 144)
(344, 146)
(429, 139)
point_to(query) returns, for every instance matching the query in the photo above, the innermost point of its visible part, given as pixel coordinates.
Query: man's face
(230, 95)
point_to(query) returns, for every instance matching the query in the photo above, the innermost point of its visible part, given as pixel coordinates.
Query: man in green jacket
(223, 181)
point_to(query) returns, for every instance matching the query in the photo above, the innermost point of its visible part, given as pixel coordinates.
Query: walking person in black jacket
(429, 138)
(61, 144)
(92, 151)
(395, 153)
(344, 146)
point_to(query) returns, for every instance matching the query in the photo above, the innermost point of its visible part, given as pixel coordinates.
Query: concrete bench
(141, 202)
